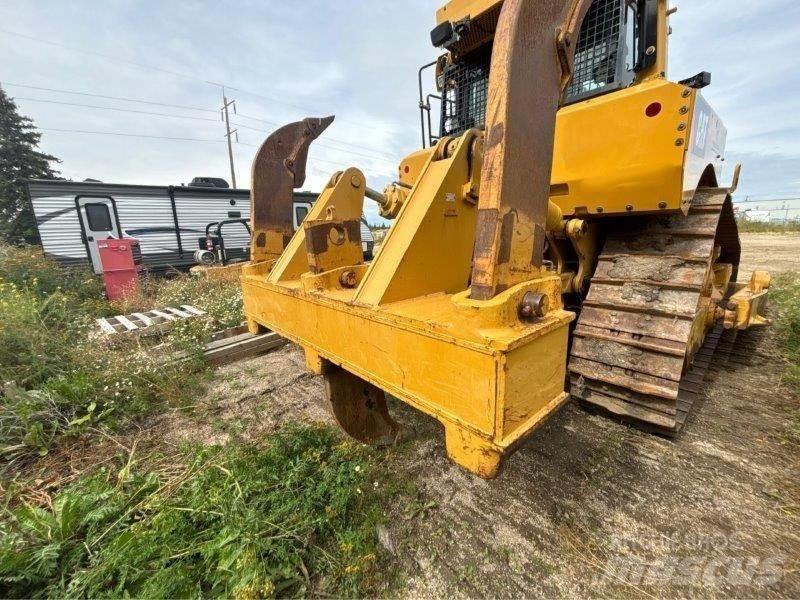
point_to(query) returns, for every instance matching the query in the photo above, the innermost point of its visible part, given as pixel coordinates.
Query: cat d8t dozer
(569, 176)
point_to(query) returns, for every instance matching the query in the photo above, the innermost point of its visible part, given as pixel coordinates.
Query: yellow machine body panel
(439, 244)
(455, 10)
(630, 151)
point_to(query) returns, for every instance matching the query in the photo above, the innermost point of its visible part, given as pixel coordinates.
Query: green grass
(747, 226)
(785, 299)
(294, 517)
(785, 302)
(59, 378)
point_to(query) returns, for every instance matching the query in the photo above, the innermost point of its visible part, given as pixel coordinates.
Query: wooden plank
(181, 313)
(228, 333)
(127, 323)
(163, 315)
(147, 321)
(232, 348)
(106, 326)
(229, 341)
(191, 309)
(243, 346)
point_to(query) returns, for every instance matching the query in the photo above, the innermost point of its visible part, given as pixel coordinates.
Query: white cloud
(355, 59)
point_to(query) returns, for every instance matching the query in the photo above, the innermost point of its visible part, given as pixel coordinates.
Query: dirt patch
(588, 507)
(774, 252)
(591, 507)
(248, 399)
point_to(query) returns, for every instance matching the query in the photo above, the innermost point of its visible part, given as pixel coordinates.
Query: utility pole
(228, 132)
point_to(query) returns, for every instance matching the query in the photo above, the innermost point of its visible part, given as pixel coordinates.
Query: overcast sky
(284, 60)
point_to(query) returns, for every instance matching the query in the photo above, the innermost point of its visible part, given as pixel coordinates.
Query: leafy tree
(19, 160)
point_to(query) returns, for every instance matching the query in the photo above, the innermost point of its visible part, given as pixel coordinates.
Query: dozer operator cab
(618, 41)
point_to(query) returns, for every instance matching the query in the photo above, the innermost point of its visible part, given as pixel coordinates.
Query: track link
(641, 345)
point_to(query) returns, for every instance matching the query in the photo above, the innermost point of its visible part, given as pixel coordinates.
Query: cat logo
(702, 132)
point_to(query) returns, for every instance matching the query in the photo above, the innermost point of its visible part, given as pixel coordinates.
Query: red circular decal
(653, 109)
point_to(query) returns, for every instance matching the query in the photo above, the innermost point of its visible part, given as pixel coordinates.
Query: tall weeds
(58, 376)
(295, 517)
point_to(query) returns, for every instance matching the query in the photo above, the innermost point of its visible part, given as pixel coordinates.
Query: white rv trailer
(167, 220)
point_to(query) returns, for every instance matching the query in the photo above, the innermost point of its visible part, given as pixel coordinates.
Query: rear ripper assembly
(461, 313)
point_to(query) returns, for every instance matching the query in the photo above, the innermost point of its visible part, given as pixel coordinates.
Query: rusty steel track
(641, 346)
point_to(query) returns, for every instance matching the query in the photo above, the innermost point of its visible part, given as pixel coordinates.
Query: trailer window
(99, 217)
(300, 213)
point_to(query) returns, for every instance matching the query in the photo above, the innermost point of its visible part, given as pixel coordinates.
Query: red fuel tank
(122, 266)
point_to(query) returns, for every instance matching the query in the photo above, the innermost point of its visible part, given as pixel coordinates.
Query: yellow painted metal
(610, 158)
(489, 378)
(409, 171)
(344, 193)
(432, 250)
(748, 303)
(659, 68)
(332, 243)
(609, 155)
(411, 167)
(584, 239)
(456, 10)
(410, 328)
(408, 325)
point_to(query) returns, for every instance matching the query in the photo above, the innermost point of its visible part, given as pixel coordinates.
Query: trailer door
(300, 210)
(99, 221)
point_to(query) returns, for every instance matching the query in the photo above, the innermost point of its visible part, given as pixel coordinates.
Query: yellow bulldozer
(563, 233)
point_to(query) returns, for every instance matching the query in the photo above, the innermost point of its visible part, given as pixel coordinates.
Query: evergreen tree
(19, 160)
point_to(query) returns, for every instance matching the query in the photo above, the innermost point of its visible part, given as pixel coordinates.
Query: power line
(45, 89)
(154, 103)
(316, 160)
(160, 69)
(136, 135)
(324, 145)
(161, 137)
(327, 138)
(128, 110)
(756, 200)
(142, 112)
(107, 57)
